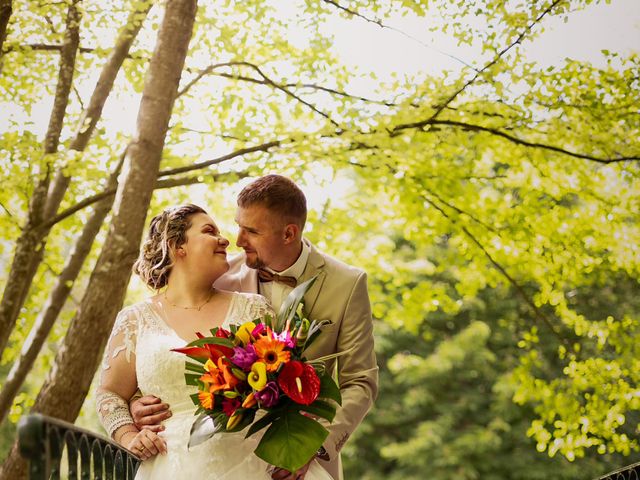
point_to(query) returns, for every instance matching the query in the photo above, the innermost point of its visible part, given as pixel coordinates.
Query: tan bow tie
(267, 276)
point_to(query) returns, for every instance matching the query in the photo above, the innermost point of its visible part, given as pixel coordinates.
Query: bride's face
(205, 247)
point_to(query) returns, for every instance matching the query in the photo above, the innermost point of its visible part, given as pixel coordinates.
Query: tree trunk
(43, 324)
(6, 9)
(65, 388)
(57, 298)
(103, 88)
(65, 78)
(30, 245)
(29, 248)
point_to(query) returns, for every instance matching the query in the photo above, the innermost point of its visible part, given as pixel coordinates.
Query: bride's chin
(221, 270)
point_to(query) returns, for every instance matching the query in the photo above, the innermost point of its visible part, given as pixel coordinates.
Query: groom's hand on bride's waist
(148, 412)
(282, 474)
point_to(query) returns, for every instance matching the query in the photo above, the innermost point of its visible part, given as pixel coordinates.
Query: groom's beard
(254, 261)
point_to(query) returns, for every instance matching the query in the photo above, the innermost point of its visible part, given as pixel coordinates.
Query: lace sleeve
(247, 307)
(258, 307)
(118, 380)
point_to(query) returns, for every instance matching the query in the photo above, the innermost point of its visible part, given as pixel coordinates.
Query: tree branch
(463, 212)
(287, 92)
(265, 81)
(209, 70)
(65, 78)
(161, 183)
(353, 13)
(511, 138)
(7, 210)
(243, 151)
(342, 94)
(379, 23)
(204, 72)
(45, 47)
(109, 72)
(518, 39)
(536, 311)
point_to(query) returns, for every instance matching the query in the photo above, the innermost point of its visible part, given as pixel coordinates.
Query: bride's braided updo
(167, 231)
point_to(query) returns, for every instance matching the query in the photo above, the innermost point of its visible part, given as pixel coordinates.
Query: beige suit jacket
(340, 295)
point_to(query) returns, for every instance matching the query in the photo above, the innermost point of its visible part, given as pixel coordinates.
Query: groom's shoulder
(339, 267)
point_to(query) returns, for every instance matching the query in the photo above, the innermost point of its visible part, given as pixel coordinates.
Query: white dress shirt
(276, 292)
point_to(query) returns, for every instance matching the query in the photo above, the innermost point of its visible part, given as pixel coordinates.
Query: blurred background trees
(493, 202)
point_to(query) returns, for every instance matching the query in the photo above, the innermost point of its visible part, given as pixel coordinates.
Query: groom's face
(261, 236)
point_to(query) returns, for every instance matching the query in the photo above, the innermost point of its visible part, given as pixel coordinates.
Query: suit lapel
(315, 265)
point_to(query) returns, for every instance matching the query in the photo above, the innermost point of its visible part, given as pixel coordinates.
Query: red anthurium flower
(300, 382)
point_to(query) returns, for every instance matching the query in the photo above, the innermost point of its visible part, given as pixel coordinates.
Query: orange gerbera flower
(219, 376)
(271, 351)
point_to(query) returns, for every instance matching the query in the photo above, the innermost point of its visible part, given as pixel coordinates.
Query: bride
(184, 252)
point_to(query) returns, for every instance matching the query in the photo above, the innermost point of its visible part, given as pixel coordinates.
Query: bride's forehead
(200, 220)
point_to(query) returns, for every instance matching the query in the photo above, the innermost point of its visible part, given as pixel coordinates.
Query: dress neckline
(159, 312)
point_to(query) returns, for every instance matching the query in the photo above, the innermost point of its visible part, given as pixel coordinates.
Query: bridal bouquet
(260, 366)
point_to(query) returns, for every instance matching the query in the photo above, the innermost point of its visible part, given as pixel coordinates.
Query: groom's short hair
(278, 194)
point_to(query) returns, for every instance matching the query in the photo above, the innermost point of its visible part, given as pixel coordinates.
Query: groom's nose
(240, 240)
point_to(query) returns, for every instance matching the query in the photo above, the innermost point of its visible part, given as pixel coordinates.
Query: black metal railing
(630, 472)
(43, 441)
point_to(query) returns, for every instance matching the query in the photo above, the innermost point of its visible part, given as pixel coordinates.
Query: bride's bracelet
(122, 434)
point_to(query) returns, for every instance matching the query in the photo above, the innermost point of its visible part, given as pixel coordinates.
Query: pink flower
(285, 337)
(244, 357)
(258, 330)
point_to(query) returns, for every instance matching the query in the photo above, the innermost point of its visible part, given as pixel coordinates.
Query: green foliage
(445, 407)
(494, 208)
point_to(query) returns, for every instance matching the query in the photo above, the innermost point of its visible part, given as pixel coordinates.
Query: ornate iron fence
(630, 472)
(43, 441)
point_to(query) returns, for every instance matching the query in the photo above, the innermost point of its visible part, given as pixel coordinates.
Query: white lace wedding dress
(160, 372)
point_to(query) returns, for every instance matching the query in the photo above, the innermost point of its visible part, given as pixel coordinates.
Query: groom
(271, 215)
